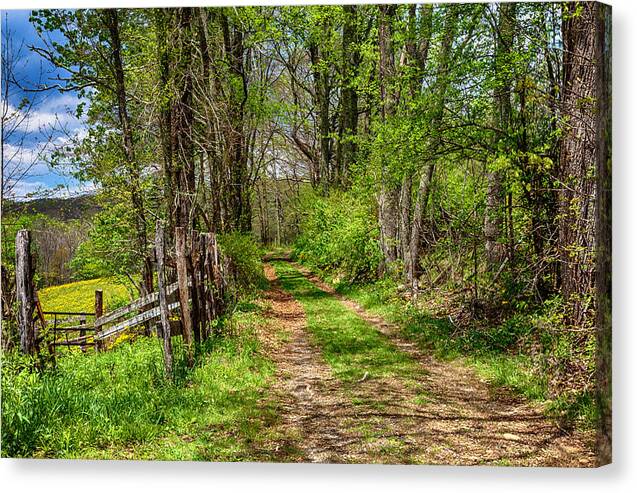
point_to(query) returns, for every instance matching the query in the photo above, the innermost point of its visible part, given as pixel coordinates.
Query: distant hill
(64, 209)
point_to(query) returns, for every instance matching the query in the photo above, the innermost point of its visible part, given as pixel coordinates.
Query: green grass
(486, 350)
(349, 344)
(80, 296)
(117, 404)
(512, 371)
(353, 348)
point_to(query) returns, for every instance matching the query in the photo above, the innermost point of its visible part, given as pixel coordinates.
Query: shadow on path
(440, 414)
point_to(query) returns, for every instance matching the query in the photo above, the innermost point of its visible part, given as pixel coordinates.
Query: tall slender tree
(603, 243)
(111, 21)
(389, 191)
(495, 204)
(441, 85)
(351, 60)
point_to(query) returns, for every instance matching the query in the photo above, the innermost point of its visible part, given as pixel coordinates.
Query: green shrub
(109, 249)
(340, 233)
(245, 256)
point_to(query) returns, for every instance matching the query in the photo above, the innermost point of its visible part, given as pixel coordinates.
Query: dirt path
(314, 405)
(461, 420)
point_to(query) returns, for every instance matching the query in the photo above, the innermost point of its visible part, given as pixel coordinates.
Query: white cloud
(53, 113)
(21, 160)
(26, 190)
(75, 189)
(59, 102)
(31, 158)
(41, 120)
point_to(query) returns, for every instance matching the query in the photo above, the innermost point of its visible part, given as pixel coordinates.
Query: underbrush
(119, 404)
(525, 352)
(245, 255)
(339, 234)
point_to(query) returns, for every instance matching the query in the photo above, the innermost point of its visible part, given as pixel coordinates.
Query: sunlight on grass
(514, 372)
(493, 363)
(80, 296)
(349, 344)
(117, 404)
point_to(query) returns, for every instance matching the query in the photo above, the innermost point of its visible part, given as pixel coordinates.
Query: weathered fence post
(24, 291)
(99, 303)
(163, 302)
(204, 305)
(195, 312)
(99, 311)
(83, 332)
(215, 275)
(182, 280)
(209, 275)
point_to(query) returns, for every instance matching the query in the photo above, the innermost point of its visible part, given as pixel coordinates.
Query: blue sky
(50, 122)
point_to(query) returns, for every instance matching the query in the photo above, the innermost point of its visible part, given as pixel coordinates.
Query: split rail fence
(186, 306)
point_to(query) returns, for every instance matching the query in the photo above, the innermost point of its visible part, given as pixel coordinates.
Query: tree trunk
(24, 291)
(578, 158)
(238, 205)
(182, 121)
(210, 162)
(604, 235)
(493, 219)
(389, 193)
(162, 21)
(279, 213)
(264, 224)
(322, 91)
(183, 276)
(111, 18)
(388, 215)
(422, 198)
(495, 203)
(164, 314)
(405, 219)
(349, 95)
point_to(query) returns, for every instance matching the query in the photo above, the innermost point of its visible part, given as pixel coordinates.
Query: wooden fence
(59, 328)
(186, 306)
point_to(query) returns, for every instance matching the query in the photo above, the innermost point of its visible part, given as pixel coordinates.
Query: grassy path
(407, 407)
(316, 416)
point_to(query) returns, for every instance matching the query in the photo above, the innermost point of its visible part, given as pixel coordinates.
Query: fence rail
(76, 314)
(138, 319)
(198, 293)
(134, 305)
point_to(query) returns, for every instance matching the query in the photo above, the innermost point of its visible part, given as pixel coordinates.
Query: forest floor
(350, 389)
